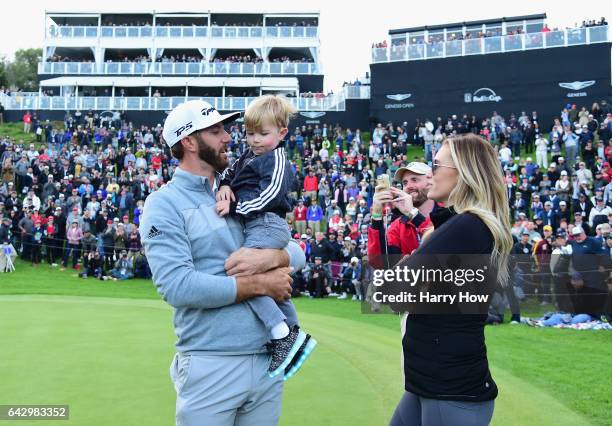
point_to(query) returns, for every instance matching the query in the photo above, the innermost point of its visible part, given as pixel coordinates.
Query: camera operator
(318, 284)
(94, 265)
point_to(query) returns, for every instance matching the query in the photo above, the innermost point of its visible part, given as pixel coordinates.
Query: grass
(105, 348)
(15, 132)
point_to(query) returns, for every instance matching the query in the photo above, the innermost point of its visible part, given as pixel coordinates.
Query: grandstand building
(148, 63)
(506, 65)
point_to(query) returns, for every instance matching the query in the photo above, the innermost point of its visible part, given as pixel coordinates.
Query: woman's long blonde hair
(480, 190)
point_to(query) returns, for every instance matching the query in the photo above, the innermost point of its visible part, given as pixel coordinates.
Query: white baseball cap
(191, 116)
(577, 230)
(414, 167)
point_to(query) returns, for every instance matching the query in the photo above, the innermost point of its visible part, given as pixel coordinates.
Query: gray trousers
(224, 390)
(414, 410)
(269, 230)
(271, 313)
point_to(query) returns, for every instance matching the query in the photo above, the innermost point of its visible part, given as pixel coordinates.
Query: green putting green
(108, 358)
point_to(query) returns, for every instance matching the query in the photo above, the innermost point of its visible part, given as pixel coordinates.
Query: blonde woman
(447, 378)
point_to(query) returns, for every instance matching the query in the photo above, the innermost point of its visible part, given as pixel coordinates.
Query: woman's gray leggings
(414, 410)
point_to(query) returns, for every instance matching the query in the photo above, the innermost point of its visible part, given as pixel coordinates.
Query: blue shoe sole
(294, 349)
(312, 343)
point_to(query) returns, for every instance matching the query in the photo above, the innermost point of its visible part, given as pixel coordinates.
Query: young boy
(257, 188)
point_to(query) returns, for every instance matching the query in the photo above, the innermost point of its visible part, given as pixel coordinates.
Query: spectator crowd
(72, 195)
(138, 23)
(185, 58)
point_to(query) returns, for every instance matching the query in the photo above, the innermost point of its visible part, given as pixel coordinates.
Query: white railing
(176, 32)
(292, 32)
(478, 46)
(86, 68)
(236, 32)
(181, 68)
(356, 92)
(17, 102)
(73, 32)
(192, 31)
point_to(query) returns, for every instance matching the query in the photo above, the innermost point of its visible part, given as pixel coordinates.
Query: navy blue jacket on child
(261, 183)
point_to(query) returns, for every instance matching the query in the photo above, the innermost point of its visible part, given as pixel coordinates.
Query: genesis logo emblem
(577, 85)
(399, 96)
(484, 94)
(312, 114)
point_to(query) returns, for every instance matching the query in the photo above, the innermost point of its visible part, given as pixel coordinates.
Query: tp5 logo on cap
(183, 128)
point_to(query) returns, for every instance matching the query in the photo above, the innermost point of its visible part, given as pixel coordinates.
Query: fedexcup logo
(312, 114)
(399, 96)
(484, 94)
(576, 86)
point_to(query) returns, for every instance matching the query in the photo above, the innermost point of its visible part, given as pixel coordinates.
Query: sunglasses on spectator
(436, 166)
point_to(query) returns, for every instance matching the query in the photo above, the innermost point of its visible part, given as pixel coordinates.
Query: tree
(23, 71)
(3, 64)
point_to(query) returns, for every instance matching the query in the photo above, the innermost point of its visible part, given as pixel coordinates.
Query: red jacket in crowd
(156, 162)
(402, 237)
(311, 183)
(607, 174)
(299, 213)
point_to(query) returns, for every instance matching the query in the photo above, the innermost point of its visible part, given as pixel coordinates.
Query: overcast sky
(347, 29)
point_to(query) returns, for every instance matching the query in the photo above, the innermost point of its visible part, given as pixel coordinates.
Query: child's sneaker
(283, 350)
(299, 358)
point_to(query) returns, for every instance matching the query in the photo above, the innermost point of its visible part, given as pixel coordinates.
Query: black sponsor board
(543, 80)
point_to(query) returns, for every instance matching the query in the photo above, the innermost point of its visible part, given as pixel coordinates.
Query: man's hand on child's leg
(249, 261)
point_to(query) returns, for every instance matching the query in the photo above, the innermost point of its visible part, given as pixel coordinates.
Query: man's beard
(216, 160)
(420, 197)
